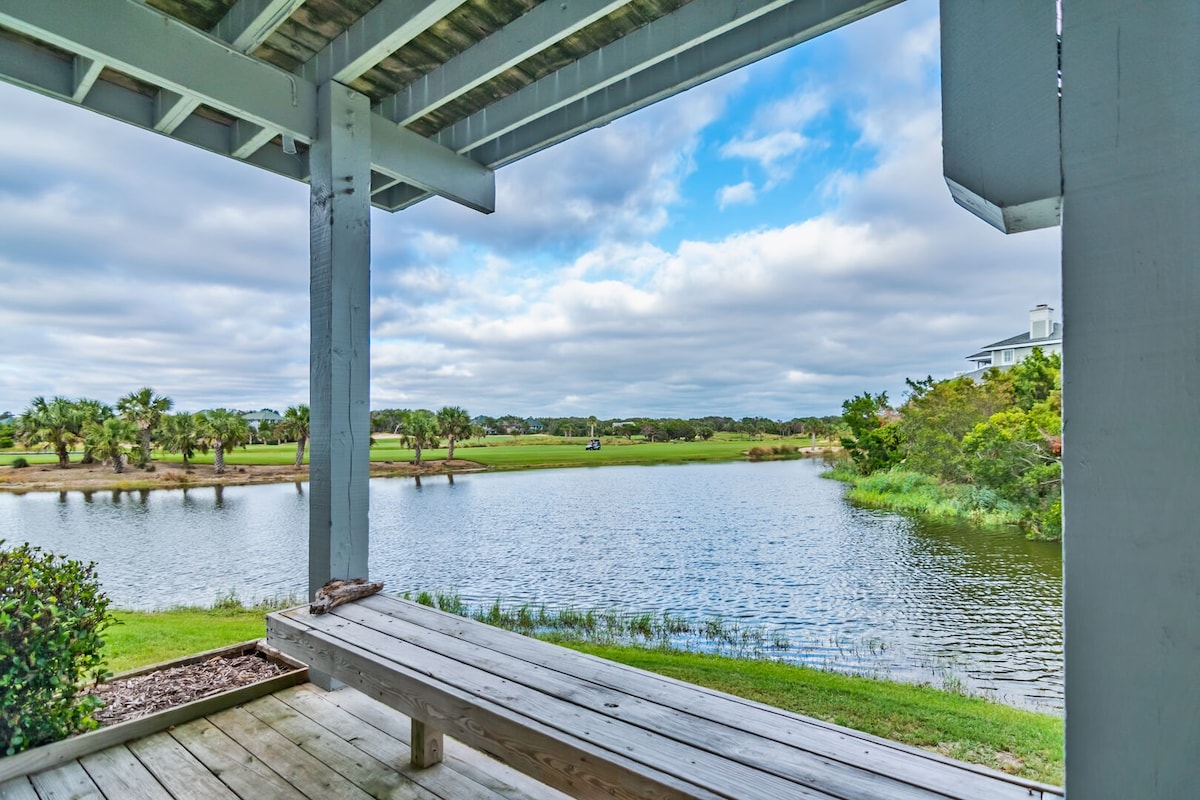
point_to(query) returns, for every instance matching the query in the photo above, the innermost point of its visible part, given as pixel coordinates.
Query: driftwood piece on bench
(337, 592)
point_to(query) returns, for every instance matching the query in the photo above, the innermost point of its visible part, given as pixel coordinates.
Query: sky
(770, 243)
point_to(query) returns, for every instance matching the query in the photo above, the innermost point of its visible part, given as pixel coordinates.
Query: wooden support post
(340, 260)
(427, 745)
(1131, 385)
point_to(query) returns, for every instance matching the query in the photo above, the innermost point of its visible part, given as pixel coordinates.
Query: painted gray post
(1131, 466)
(340, 266)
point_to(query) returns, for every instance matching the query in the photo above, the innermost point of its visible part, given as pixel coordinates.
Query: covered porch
(1086, 119)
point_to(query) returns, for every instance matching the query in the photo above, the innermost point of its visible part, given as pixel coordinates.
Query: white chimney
(1040, 322)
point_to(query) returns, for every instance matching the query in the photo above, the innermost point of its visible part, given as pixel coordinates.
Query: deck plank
(67, 782)
(178, 770)
(383, 732)
(373, 776)
(296, 766)
(240, 770)
(824, 740)
(118, 773)
(18, 789)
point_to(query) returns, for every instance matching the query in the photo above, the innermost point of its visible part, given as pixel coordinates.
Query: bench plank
(669, 725)
(824, 739)
(576, 766)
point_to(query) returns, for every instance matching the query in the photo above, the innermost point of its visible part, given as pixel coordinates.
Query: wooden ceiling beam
(249, 23)
(687, 27)
(779, 28)
(185, 63)
(380, 32)
(526, 36)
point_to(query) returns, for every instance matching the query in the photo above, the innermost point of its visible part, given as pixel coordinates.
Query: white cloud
(129, 260)
(736, 194)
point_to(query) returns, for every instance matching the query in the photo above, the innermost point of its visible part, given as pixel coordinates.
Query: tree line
(140, 421)
(657, 429)
(1002, 436)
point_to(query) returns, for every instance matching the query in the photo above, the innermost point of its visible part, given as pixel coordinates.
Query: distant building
(256, 418)
(1043, 332)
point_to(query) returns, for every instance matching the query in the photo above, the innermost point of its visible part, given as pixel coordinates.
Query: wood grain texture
(67, 782)
(237, 768)
(118, 773)
(18, 789)
(427, 744)
(383, 733)
(177, 770)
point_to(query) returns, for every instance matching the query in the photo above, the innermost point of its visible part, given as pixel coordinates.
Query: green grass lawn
(970, 729)
(497, 452)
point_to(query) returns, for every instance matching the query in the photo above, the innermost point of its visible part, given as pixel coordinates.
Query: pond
(768, 546)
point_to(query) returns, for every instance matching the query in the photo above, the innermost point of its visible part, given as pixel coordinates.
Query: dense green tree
(937, 416)
(874, 441)
(1035, 378)
(387, 420)
(144, 409)
(181, 433)
(453, 423)
(295, 426)
(420, 431)
(223, 430)
(705, 432)
(111, 439)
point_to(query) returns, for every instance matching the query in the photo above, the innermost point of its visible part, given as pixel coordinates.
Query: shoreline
(77, 477)
(167, 475)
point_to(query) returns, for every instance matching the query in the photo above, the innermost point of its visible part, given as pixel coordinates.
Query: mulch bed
(139, 695)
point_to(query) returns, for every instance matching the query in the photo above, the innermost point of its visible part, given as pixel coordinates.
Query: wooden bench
(596, 729)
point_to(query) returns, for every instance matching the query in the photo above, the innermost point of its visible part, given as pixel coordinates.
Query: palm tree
(50, 424)
(144, 409)
(223, 430)
(108, 440)
(453, 423)
(88, 411)
(295, 426)
(181, 434)
(420, 430)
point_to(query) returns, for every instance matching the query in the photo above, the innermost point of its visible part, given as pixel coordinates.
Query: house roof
(1024, 340)
(457, 88)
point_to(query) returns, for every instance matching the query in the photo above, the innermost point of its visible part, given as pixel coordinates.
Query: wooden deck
(300, 742)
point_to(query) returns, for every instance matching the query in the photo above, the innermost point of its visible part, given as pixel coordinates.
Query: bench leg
(426, 745)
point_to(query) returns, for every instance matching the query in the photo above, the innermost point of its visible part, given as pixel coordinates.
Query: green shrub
(51, 616)
(20, 462)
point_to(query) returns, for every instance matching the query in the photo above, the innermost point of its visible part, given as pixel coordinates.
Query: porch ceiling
(457, 88)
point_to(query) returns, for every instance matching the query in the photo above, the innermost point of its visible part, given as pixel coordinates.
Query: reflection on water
(768, 544)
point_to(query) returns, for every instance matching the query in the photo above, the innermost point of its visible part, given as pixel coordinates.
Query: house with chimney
(1043, 332)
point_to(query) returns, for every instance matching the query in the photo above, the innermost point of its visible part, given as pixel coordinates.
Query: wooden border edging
(51, 755)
